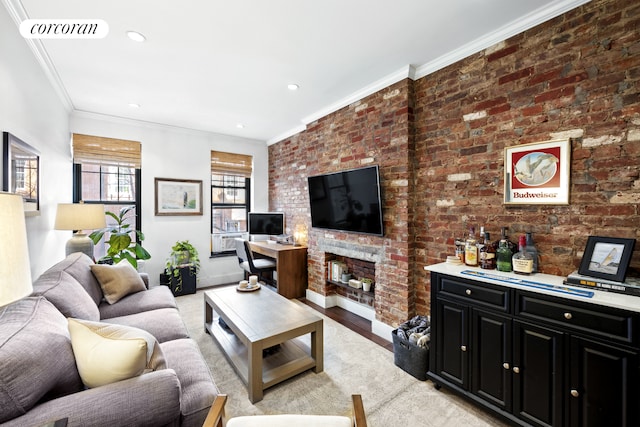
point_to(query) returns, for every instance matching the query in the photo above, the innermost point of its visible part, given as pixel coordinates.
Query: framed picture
(21, 172)
(538, 173)
(178, 197)
(607, 258)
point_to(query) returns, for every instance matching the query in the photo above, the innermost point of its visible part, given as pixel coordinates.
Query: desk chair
(251, 265)
(216, 417)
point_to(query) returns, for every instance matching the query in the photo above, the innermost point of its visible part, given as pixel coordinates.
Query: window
(230, 200)
(108, 171)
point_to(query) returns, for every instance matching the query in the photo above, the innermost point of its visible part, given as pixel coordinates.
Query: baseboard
(381, 329)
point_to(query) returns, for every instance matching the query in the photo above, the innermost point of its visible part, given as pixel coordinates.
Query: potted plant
(181, 268)
(120, 246)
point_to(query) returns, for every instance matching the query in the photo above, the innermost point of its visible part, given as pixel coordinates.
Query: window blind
(231, 164)
(106, 151)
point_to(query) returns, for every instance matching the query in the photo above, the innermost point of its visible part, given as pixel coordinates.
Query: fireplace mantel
(352, 250)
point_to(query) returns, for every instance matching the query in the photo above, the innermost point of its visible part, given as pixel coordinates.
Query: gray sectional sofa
(40, 380)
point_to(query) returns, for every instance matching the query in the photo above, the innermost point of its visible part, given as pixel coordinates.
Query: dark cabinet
(491, 355)
(534, 359)
(603, 385)
(538, 371)
(452, 361)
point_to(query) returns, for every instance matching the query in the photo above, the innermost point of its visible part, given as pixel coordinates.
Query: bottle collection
(502, 254)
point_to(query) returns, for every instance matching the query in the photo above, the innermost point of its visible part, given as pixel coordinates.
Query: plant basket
(182, 284)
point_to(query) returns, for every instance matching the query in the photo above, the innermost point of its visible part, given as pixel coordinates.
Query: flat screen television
(266, 223)
(347, 201)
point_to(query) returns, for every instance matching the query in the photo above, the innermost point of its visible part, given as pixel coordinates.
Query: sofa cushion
(152, 299)
(79, 265)
(117, 281)
(198, 388)
(36, 358)
(69, 297)
(107, 353)
(164, 323)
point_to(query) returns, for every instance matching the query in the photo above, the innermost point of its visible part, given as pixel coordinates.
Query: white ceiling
(210, 64)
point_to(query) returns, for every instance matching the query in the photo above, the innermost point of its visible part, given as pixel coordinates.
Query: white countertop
(540, 283)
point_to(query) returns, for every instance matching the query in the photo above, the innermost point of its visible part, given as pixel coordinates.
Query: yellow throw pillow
(117, 281)
(106, 353)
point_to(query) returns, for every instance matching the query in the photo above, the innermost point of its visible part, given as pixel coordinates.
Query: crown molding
(524, 23)
(530, 20)
(18, 14)
(125, 121)
(287, 134)
(408, 71)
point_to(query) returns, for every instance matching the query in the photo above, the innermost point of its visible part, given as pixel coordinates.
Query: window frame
(246, 206)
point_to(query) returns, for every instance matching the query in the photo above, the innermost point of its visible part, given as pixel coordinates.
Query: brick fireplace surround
(439, 141)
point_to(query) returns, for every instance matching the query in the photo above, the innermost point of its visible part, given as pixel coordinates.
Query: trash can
(407, 355)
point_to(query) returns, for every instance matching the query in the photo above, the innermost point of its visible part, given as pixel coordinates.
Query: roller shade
(106, 151)
(231, 164)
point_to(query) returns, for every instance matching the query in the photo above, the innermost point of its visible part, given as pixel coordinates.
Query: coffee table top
(260, 314)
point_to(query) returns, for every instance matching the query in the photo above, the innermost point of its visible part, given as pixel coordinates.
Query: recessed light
(293, 86)
(240, 126)
(136, 36)
(134, 105)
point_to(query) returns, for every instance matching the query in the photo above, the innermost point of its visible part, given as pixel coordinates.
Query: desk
(291, 266)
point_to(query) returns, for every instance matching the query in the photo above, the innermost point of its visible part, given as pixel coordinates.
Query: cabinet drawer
(592, 320)
(478, 293)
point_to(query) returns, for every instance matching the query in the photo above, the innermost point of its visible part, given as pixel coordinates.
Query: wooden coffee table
(257, 321)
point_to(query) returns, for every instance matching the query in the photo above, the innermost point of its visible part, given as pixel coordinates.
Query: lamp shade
(79, 216)
(15, 270)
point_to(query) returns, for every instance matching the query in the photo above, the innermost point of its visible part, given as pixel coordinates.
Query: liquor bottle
(504, 256)
(471, 249)
(531, 249)
(505, 236)
(460, 243)
(522, 261)
(487, 254)
(480, 243)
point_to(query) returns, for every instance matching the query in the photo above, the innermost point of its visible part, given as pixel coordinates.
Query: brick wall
(439, 143)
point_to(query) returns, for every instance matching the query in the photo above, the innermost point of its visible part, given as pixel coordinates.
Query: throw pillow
(106, 353)
(36, 358)
(117, 281)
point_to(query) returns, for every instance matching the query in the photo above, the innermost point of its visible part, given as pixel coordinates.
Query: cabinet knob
(505, 365)
(468, 292)
(574, 392)
(516, 370)
(568, 316)
(463, 348)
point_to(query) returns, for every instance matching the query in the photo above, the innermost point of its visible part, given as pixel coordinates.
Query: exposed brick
(442, 137)
(516, 75)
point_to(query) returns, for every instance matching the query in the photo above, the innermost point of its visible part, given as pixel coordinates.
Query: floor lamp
(15, 270)
(79, 217)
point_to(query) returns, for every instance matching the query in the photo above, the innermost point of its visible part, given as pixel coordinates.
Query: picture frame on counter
(607, 258)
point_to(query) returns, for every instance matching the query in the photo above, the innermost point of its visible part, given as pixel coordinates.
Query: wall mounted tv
(347, 201)
(266, 223)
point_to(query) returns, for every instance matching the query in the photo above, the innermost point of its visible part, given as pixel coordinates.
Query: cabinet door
(538, 373)
(491, 358)
(603, 385)
(452, 361)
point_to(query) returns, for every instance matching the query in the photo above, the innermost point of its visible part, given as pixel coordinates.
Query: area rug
(352, 365)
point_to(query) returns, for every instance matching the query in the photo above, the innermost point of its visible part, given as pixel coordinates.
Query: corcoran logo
(64, 29)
